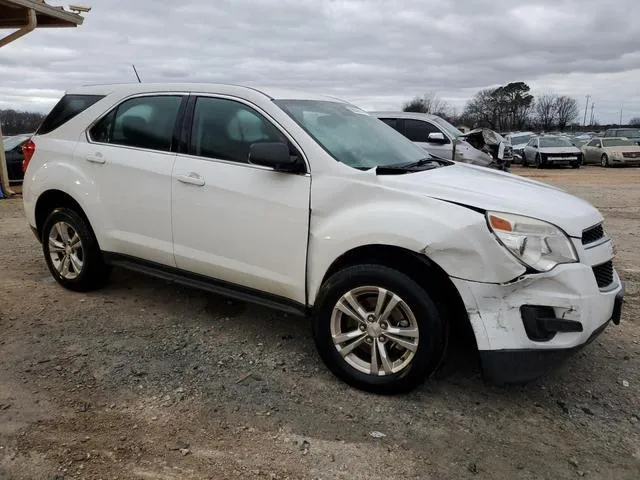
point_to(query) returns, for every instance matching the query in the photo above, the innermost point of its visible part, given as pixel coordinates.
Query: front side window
(142, 122)
(226, 129)
(418, 131)
(593, 143)
(351, 135)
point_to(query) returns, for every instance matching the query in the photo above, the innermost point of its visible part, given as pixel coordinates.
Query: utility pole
(584, 122)
(621, 106)
(592, 107)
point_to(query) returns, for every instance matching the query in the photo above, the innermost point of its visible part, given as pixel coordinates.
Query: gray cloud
(376, 53)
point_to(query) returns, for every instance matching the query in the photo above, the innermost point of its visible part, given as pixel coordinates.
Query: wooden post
(4, 174)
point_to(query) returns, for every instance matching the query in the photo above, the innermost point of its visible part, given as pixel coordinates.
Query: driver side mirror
(436, 137)
(275, 155)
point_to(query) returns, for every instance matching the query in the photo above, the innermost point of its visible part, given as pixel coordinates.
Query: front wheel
(575, 164)
(604, 161)
(539, 163)
(72, 253)
(378, 330)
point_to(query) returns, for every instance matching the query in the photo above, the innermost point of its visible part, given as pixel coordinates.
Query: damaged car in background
(482, 147)
(310, 205)
(548, 150)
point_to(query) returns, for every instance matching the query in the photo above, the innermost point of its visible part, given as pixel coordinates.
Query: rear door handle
(96, 158)
(191, 179)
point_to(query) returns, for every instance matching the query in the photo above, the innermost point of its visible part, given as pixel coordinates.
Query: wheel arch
(414, 265)
(52, 199)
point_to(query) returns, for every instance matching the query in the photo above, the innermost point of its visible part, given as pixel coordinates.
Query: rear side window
(68, 107)
(142, 122)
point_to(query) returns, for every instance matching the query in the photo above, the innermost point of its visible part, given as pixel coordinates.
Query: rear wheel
(604, 161)
(71, 251)
(378, 330)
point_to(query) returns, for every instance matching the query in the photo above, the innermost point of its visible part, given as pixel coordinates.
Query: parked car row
(606, 148)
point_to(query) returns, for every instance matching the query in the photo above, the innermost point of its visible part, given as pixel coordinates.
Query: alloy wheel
(374, 330)
(65, 250)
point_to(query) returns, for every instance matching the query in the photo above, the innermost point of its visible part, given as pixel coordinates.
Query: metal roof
(14, 14)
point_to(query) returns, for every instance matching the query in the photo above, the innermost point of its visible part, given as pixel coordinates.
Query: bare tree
(566, 109)
(546, 111)
(428, 103)
(635, 121)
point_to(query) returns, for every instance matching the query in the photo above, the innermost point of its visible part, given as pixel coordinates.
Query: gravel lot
(148, 380)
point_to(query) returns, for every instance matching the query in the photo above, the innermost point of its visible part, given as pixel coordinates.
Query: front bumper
(507, 352)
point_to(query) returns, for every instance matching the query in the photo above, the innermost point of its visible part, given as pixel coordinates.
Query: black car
(13, 152)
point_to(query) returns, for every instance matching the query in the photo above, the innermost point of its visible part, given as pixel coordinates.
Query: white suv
(310, 205)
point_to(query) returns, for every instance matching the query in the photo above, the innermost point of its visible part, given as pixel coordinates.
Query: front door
(129, 156)
(233, 221)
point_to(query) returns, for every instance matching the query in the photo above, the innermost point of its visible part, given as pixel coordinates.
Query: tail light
(28, 149)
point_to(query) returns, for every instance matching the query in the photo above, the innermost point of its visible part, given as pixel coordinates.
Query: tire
(604, 161)
(524, 160)
(539, 163)
(575, 165)
(408, 368)
(85, 269)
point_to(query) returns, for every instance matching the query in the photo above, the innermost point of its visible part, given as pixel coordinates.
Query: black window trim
(114, 107)
(187, 127)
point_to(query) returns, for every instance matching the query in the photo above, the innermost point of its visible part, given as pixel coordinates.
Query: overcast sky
(376, 53)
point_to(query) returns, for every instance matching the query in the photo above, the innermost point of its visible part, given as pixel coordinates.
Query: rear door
(233, 221)
(129, 152)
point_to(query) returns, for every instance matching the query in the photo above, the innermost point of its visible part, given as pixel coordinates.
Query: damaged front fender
(455, 238)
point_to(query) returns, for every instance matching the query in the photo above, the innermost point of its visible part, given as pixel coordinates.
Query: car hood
(559, 150)
(488, 189)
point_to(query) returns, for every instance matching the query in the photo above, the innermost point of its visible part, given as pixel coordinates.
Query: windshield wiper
(426, 163)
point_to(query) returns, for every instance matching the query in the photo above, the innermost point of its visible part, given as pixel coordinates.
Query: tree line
(15, 122)
(510, 107)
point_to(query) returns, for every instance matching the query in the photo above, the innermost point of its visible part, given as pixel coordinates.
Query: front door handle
(191, 179)
(95, 158)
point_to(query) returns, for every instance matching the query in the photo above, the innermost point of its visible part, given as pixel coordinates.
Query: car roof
(392, 114)
(133, 88)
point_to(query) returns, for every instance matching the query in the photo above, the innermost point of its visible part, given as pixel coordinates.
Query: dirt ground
(148, 380)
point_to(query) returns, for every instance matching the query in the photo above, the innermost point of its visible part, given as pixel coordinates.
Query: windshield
(351, 135)
(617, 142)
(521, 139)
(446, 126)
(631, 133)
(554, 142)
(12, 142)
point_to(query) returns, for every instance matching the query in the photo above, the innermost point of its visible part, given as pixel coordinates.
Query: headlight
(617, 155)
(537, 244)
